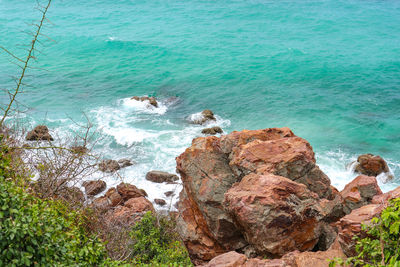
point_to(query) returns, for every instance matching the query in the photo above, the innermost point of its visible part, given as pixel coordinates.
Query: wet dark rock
(39, 133)
(109, 166)
(169, 193)
(206, 116)
(371, 165)
(94, 187)
(152, 100)
(123, 163)
(128, 191)
(79, 150)
(161, 177)
(160, 202)
(212, 131)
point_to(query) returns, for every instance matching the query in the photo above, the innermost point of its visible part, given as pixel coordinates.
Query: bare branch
(26, 62)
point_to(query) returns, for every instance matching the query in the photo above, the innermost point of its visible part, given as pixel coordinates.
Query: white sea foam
(339, 166)
(143, 106)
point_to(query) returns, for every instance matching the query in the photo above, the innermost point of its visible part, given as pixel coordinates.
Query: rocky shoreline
(251, 198)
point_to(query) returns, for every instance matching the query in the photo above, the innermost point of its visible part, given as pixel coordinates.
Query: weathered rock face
(152, 100)
(293, 259)
(39, 133)
(350, 226)
(212, 131)
(213, 215)
(161, 177)
(292, 158)
(192, 226)
(206, 175)
(276, 214)
(359, 192)
(371, 165)
(94, 187)
(229, 259)
(384, 198)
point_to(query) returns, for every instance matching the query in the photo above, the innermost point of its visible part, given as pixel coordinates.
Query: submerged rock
(371, 165)
(169, 193)
(212, 131)
(151, 100)
(161, 177)
(205, 116)
(79, 150)
(160, 202)
(123, 163)
(39, 133)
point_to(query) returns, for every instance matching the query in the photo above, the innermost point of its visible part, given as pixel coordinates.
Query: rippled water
(329, 70)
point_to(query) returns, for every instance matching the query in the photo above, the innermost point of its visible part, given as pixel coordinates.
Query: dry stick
(39, 27)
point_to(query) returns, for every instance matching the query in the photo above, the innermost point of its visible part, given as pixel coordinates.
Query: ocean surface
(328, 69)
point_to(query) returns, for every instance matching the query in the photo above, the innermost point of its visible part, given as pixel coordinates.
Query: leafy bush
(381, 247)
(156, 243)
(40, 232)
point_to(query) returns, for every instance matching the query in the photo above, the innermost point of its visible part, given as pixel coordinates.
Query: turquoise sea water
(328, 69)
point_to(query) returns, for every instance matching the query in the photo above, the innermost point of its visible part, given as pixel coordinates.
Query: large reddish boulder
(359, 192)
(276, 214)
(350, 226)
(212, 165)
(371, 165)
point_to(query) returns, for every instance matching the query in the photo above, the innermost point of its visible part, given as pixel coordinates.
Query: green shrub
(40, 232)
(156, 243)
(381, 247)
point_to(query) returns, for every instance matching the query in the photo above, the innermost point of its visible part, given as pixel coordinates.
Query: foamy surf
(340, 166)
(143, 106)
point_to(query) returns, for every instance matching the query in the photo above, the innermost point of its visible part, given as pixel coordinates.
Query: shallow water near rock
(329, 70)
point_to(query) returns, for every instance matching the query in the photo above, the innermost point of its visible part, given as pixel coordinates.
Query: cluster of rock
(152, 100)
(123, 205)
(260, 193)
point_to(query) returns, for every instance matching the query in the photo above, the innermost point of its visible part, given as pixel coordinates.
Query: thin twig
(32, 48)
